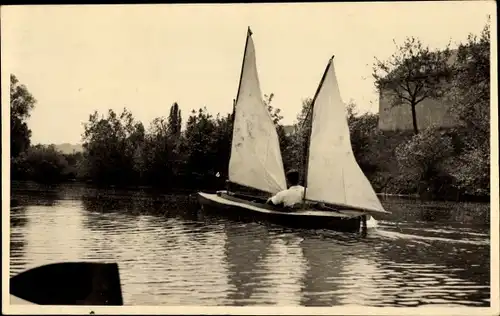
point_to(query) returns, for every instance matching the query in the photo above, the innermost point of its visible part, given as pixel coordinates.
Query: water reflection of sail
(324, 259)
(247, 246)
(362, 281)
(286, 266)
(341, 272)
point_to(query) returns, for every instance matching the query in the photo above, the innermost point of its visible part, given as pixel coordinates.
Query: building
(289, 129)
(429, 112)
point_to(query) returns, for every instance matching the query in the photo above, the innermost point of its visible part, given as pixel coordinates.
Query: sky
(79, 59)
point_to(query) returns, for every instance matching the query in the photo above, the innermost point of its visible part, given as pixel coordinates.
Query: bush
(44, 164)
(421, 162)
(471, 171)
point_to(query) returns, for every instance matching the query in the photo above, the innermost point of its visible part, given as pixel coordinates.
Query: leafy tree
(470, 91)
(294, 153)
(470, 96)
(175, 121)
(158, 163)
(277, 117)
(207, 146)
(199, 144)
(422, 161)
(412, 74)
(110, 145)
(365, 138)
(275, 112)
(471, 172)
(21, 104)
(222, 142)
(45, 164)
(75, 161)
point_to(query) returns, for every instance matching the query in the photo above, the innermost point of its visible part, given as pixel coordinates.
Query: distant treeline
(449, 163)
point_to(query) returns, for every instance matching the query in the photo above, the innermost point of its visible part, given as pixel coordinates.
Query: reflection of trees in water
(39, 198)
(18, 217)
(467, 213)
(247, 245)
(473, 213)
(138, 203)
(96, 220)
(30, 193)
(103, 206)
(435, 214)
(18, 221)
(412, 210)
(105, 213)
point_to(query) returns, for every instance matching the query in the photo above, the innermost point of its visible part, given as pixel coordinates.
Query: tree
(364, 135)
(45, 164)
(470, 93)
(470, 97)
(158, 160)
(294, 153)
(275, 112)
(223, 138)
(175, 121)
(74, 160)
(412, 74)
(422, 161)
(200, 147)
(277, 117)
(110, 147)
(21, 104)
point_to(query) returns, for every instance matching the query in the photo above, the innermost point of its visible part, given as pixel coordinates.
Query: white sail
(333, 175)
(255, 154)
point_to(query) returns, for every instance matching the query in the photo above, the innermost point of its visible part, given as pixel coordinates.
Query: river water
(169, 253)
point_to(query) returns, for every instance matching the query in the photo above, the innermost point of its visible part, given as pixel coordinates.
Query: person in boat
(292, 196)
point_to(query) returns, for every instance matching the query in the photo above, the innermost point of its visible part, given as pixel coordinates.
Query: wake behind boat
(337, 194)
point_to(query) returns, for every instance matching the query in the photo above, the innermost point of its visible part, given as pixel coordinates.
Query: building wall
(429, 112)
(289, 129)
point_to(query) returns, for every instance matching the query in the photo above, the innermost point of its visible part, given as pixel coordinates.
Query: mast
(229, 129)
(311, 111)
(249, 33)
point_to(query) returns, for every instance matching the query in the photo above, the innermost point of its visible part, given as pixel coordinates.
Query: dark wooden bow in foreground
(69, 283)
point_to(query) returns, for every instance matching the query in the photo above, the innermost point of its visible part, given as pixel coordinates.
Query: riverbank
(80, 186)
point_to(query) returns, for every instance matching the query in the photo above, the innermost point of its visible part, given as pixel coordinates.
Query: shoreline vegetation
(432, 163)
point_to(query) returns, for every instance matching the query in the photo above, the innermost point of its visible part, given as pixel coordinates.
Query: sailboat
(337, 194)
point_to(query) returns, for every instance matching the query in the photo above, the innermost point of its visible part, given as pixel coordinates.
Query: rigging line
(343, 185)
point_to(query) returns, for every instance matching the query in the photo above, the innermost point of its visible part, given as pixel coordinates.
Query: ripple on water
(188, 260)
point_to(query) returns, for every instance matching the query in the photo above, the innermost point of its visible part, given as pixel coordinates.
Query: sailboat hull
(241, 209)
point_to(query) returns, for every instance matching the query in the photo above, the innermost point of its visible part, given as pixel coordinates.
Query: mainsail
(255, 154)
(333, 175)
